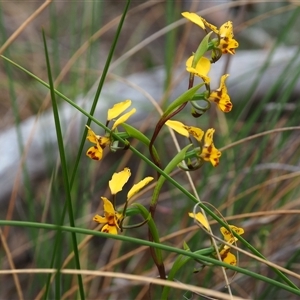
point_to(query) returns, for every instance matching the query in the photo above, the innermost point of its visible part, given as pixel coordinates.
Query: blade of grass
(65, 174)
(170, 42)
(143, 242)
(54, 39)
(97, 11)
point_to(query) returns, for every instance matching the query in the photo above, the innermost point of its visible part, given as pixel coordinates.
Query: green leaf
(64, 169)
(133, 132)
(202, 48)
(186, 96)
(179, 157)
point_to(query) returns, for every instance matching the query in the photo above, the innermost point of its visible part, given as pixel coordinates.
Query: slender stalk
(64, 169)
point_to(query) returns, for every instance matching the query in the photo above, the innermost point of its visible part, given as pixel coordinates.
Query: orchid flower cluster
(200, 150)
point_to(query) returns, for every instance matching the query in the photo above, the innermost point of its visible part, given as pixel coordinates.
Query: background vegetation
(256, 185)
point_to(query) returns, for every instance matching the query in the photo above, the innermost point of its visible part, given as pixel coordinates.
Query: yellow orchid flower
(186, 131)
(228, 236)
(112, 218)
(227, 41)
(221, 97)
(96, 152)
(201, 69)
(209, 151)
(225, 32)
(225, 253)
(199, 217)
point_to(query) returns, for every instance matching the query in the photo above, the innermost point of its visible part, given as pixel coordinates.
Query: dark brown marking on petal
(111, 220)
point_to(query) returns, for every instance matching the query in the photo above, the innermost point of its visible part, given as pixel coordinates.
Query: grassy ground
(255, 186)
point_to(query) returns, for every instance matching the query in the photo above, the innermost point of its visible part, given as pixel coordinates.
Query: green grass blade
(193, 255)
(64, 169)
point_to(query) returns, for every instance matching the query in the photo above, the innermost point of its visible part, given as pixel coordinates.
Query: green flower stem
(142, 242)
(191, 80)
(171, 166)
(156, 253)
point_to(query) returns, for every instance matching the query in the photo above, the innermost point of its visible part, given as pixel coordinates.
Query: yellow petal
(211, 154)
(108, 207)
(196, 132)
(228, 46)
(209, 151)
(99, 219)
(238, 230)
(118, 216)
(95, 152)
(201, 69)
(221, 97)
(123, 119)
(117, 109)
(228, 257)
(210, 26)
(118, 180)
(109, 229)
(200, 218)
(138, 186)
(203, 65)
(226, 30)
(91, 136)
(231, 241)
(194, 18)
(228, 235)
(178, 127)
(206, 79)
(104, 141)
(208, 138)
